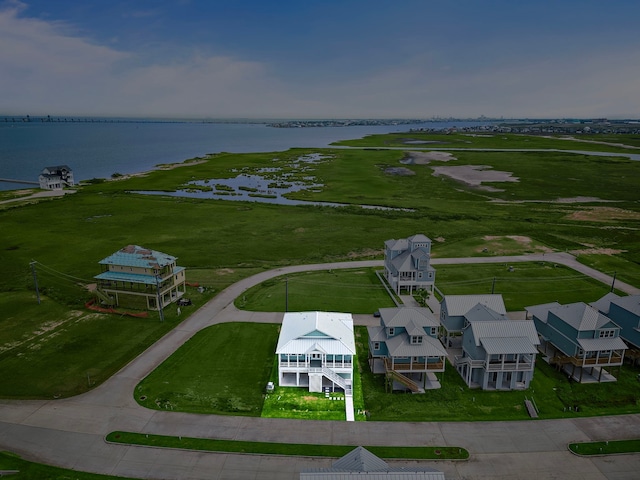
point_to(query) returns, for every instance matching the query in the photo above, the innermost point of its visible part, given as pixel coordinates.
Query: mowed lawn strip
(611, 447)
(295, 449)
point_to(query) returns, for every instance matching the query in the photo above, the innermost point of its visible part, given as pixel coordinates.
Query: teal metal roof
(136, 256)
(127, 277)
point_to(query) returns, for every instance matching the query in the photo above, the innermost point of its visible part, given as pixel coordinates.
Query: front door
(316, 359)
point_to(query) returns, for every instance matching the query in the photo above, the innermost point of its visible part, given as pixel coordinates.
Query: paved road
(70, 432)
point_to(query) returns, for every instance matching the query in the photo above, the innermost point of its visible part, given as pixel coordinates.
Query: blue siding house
(625, 312)
(578, 338)
(405, 347)
(453, 310)
(497, 353)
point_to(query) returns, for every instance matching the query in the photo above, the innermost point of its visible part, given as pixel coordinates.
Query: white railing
(335, 378)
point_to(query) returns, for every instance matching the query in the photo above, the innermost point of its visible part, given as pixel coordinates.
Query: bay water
(100, 149)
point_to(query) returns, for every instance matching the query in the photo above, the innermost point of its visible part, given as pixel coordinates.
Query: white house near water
(316, 350)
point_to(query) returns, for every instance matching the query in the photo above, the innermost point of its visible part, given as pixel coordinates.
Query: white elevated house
(316, 349)
(56, 177)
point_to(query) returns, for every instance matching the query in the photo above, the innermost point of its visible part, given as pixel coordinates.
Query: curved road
(70, 432)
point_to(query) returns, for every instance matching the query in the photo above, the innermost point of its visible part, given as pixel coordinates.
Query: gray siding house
(497, 353)
(407, 264)
(405, 347)
(581, 340)
(453, 309)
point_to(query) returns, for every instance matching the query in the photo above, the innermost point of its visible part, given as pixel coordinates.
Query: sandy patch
(439, 239)
(496, 244)
(603, 214)
(224, 271)
(597, 251)
(365, 253)
(422, 158)
(475, 175)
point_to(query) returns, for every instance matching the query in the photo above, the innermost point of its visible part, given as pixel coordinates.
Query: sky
(309, 59)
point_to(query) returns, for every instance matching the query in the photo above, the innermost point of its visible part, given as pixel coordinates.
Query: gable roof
(504, 329)
(401, 346)
(361, 464)
(300, 333)
(541, 312)
(581, 317)
(136, 256)
(480, 313)
(603, 304)
(408, 316)
(419, 237)
(630, 303)
(459, 305)
(394, 244)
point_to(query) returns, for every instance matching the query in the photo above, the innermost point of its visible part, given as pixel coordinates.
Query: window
(433, 330)
(416, 339)
(376, 345)
(607, 333)
(392, 331)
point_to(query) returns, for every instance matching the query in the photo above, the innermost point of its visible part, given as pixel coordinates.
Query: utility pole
(35, 279)
(614, 280)
(493, 285)
(158, 300)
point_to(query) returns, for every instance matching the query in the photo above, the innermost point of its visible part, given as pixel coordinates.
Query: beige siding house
(138, 277)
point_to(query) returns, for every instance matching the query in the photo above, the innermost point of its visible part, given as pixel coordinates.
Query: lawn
(307, 449)
(222, 369)
(351, 290)
(520, 284)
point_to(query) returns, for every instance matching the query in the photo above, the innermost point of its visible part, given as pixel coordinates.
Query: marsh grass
(220, 237)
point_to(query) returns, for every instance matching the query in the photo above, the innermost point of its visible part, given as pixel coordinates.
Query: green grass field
(220, 242)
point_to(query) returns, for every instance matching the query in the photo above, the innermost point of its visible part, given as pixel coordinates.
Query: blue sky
(320, 59)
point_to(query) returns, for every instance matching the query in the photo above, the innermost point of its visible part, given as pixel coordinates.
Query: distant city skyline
(330, 59)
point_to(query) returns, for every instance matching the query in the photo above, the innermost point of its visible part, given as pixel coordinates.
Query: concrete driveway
(70, 432)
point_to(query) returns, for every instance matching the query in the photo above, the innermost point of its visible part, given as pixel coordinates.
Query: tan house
(138, 277)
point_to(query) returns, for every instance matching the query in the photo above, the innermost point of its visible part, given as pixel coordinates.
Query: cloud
(49, 68)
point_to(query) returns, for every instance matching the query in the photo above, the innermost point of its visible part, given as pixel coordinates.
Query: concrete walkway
(70, 432)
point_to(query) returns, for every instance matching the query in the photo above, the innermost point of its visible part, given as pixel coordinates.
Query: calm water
(97, 150)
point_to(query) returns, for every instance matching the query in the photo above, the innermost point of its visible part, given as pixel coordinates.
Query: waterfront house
(140, 278)
(497, 353)
(56, 178)
(407, 264)
(453, 309)
(316, 349)
(405, 347)
(578, 338)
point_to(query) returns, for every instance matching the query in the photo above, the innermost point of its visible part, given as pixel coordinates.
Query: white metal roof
(630, 303)
(581, 316)
(458, 305)
(331, 332)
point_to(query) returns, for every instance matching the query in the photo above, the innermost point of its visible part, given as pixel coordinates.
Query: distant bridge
(12, 180)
